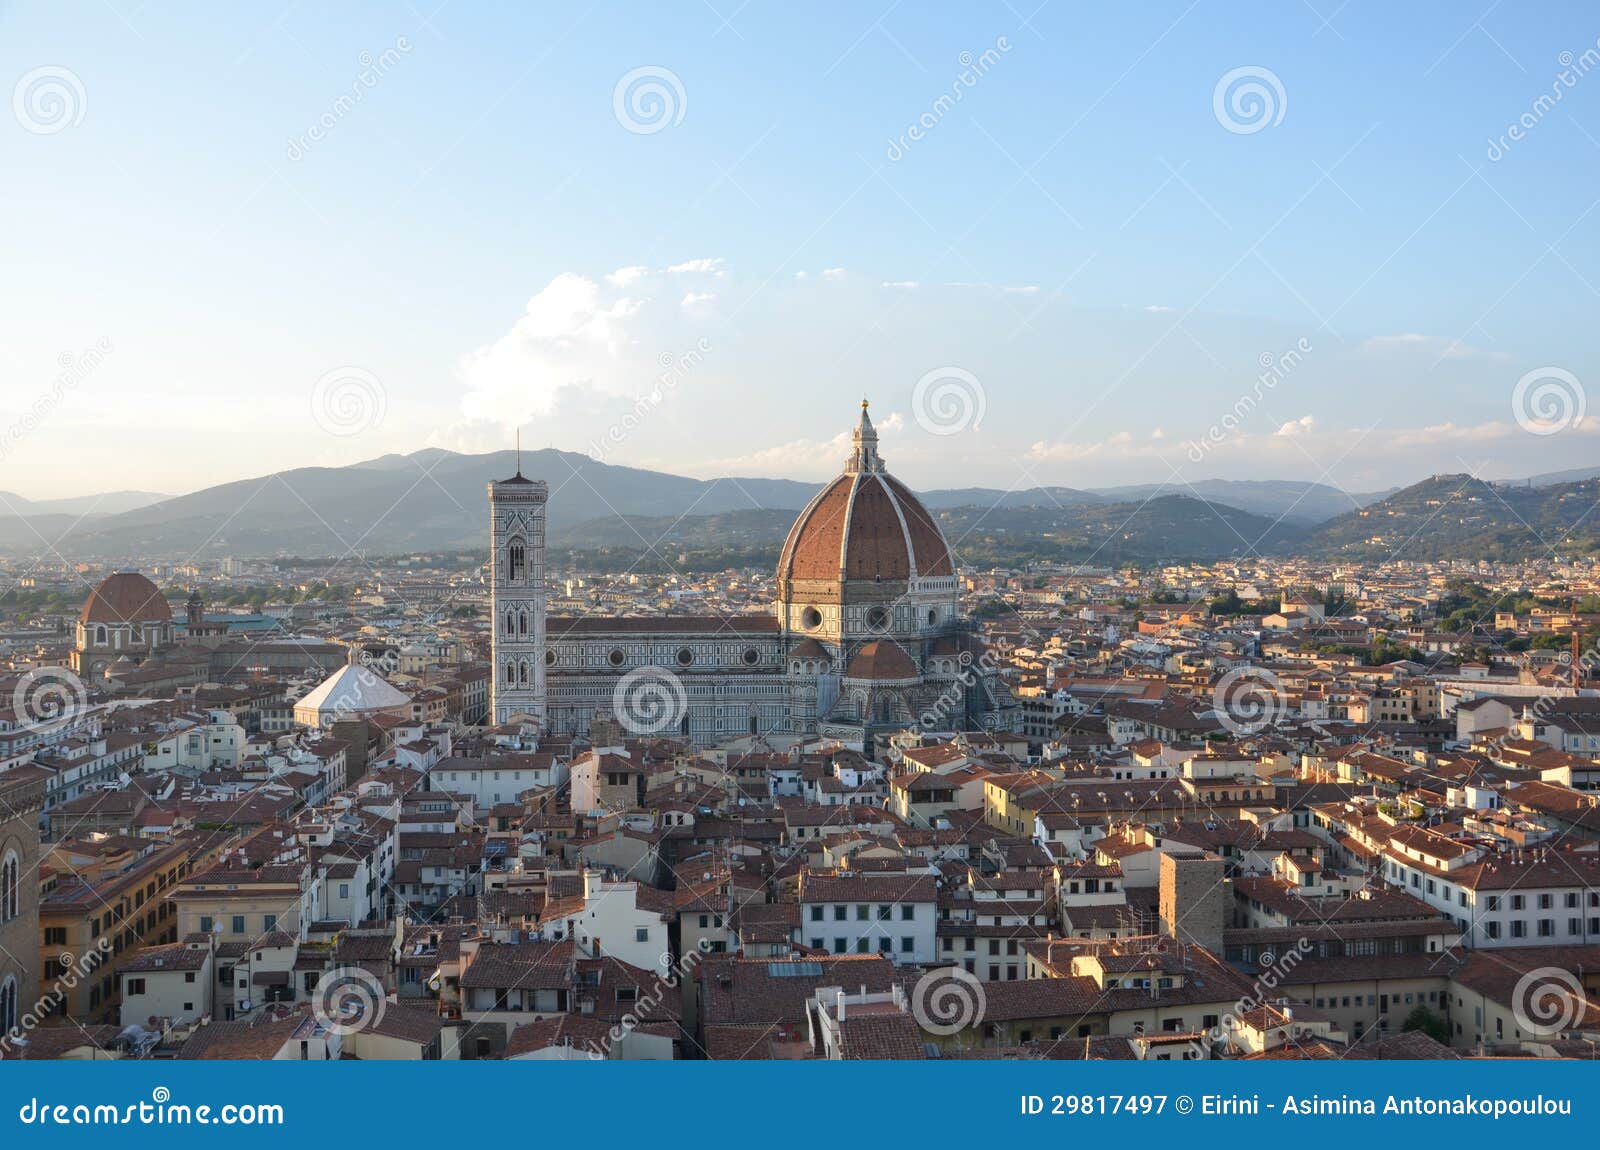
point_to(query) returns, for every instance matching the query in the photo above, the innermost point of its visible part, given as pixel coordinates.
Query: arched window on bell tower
(516, 560)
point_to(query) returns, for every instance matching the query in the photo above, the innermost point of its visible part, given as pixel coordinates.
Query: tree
(1429, 1023)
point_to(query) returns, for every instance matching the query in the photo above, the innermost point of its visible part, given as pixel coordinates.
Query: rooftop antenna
(519, 451)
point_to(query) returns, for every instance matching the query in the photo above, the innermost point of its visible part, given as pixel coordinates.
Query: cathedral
(866, 637)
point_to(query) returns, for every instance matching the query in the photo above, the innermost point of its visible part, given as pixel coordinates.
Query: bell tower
(517, 596)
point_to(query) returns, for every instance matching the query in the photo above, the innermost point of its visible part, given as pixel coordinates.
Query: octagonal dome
(865, 525)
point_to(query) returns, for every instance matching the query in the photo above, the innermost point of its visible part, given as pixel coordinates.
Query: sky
(1054, 244)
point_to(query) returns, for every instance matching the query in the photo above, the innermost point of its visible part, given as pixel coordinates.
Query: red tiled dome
(126, 597)
(864, 526)
(881, 660)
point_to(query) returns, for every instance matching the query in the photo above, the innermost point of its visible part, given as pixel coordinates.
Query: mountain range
(434, 500)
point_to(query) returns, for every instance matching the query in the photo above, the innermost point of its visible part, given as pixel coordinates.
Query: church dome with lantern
(865, 560)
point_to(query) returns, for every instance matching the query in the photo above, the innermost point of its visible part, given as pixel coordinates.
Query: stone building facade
(125, 621)
(21, 797)
(518, 595)
(866, 636)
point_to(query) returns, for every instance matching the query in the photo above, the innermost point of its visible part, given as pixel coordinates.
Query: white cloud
(1121, 445)
(1434, 345)
(902, 285)
(573, 331)
(712, 266)
(623, 277)
(832, 273)
(694, 297)
(1296, 427)
(806, 458)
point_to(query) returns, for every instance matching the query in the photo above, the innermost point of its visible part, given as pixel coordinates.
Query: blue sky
(1079, 243)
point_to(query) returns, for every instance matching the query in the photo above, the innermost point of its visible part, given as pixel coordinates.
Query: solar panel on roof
(794, 969)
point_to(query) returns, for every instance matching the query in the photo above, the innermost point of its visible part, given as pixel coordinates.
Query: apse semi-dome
(865, 525)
